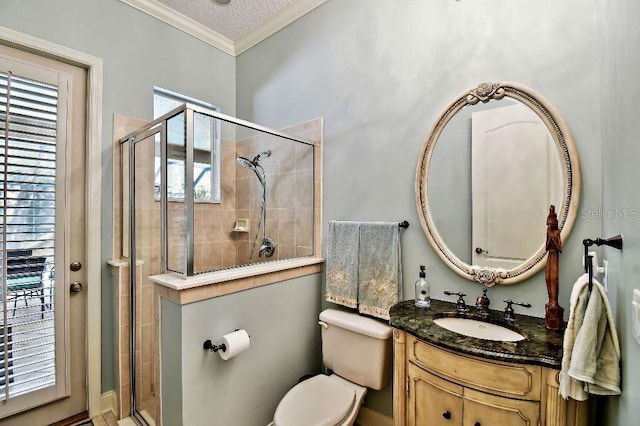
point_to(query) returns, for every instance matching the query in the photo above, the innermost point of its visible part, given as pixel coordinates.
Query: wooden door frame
(92, 207)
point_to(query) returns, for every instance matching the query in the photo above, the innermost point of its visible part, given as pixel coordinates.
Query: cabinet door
(481, 409)
(432, 401)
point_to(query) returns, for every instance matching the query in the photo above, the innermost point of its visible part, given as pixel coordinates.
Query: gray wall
(380, 72)
(138, 52)
(281, 319)
(620, 61)
(170, 367)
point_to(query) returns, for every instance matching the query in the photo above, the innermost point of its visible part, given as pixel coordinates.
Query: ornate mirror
(492, 164)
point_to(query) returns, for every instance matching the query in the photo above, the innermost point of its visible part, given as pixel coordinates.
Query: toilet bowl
(358, 351)
(320, 401)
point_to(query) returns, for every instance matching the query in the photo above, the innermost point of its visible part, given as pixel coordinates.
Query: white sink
(479, 329)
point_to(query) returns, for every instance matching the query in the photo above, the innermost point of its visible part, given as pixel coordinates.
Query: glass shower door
(139, 193)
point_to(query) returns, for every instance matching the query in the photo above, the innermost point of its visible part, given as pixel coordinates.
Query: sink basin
(479, 329)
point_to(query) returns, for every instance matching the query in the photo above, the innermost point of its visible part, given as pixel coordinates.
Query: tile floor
(106, 419)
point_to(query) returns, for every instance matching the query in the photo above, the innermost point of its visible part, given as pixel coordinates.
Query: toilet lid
(318, 401)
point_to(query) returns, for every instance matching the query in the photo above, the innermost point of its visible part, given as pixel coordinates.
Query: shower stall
(203, 191)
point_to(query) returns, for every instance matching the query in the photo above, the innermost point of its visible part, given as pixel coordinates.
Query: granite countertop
(540, 346)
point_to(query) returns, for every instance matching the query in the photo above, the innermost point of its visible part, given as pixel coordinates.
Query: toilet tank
(357, 348)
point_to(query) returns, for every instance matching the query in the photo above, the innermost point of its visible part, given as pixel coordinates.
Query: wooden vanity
(443, 378)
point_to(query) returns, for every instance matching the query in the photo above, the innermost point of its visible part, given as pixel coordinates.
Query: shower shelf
(242, 225)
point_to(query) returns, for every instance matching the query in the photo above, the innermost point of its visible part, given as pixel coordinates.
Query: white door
(42, 225)
(510, 199)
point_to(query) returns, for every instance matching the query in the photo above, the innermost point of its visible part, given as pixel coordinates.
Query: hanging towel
(343, 242)
(379, 271)
(591, 351)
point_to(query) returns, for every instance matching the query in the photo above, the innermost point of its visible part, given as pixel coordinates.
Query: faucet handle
(461, 305)
(510, 302)
(509, 313)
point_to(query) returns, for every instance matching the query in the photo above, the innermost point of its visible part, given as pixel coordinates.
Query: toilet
(358, 350)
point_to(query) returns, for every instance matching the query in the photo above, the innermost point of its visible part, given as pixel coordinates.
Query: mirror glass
(488, 173)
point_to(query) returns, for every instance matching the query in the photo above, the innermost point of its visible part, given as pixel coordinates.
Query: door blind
(28, 128)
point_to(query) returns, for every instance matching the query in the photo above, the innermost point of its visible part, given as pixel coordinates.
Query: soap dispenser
(423, 290)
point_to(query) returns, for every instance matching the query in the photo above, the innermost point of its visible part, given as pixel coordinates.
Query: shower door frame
(142, 135)
(154, 127)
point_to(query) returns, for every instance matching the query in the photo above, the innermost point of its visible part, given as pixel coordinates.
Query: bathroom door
(42, 243)
(515, 177)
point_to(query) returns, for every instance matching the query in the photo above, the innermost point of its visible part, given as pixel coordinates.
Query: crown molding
(183, 23)
(199, 31)
(274, 24)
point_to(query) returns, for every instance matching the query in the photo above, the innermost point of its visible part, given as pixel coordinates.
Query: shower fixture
(268, 246)
(252, 164)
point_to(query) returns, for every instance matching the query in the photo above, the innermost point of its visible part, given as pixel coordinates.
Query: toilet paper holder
(208, 344)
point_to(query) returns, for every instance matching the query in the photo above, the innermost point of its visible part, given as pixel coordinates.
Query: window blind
(28, 124)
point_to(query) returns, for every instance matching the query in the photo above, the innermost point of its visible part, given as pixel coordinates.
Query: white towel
(591, 351)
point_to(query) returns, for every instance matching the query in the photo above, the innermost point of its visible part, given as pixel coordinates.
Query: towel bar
(615, 242)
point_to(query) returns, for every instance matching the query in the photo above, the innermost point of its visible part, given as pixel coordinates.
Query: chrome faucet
(509, 313)
(267, 248)
(461, 306)
(482, 303)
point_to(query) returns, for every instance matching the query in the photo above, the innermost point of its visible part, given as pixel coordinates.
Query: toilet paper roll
(234, 343)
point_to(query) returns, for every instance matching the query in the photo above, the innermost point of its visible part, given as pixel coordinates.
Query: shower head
(245, 162)
(257, 158)
(255, 165)
(252, 164)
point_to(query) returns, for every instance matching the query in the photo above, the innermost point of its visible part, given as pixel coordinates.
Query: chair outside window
(24, 277)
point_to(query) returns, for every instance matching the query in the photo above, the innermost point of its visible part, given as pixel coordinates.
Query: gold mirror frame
(570, 172)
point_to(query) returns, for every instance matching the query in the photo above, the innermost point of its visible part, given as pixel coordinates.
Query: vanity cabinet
(431, 400)
(434, 386)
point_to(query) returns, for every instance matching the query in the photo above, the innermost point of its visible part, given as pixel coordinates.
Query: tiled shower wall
(289, 200)
(289, 196)
(215, 244)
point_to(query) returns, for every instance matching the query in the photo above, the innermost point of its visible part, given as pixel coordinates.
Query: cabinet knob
(477, 424)
(446, 415)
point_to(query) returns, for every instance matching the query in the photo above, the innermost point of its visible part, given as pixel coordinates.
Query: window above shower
(206, 150)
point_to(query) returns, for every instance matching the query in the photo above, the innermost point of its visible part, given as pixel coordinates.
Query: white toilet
(359, 352)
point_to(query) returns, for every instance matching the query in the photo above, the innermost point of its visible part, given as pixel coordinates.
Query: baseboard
(109, 402)
(367, 417)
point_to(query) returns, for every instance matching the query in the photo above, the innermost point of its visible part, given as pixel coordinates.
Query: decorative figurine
(553, 318)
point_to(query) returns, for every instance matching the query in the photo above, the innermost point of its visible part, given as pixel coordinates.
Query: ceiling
(232, 27)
